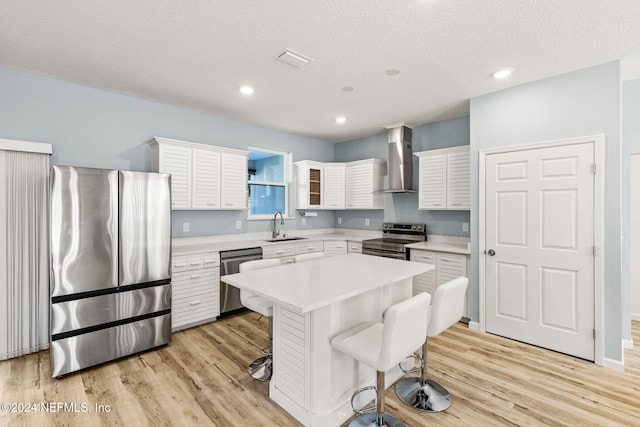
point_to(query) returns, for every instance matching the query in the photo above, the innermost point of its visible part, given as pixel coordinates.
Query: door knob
(491, 252)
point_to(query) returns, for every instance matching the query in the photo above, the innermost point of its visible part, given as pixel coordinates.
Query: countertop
(309, 285)
(254, 240)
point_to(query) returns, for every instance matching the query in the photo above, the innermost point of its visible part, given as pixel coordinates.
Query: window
(268, 183)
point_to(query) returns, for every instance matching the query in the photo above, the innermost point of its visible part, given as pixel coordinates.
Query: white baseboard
(635, 317)
(627, 344)
(616, 365)
(475, 326)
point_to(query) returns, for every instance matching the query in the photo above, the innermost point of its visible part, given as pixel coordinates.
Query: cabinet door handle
(194, 303)
(228, 204)
(211, 204)
(179, 265)
(197, 276)
(279, 252)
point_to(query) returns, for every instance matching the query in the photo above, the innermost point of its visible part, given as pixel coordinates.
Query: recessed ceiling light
(341, 119)
(502, 74)
(392, 72)
(246, 90)
(347, 89)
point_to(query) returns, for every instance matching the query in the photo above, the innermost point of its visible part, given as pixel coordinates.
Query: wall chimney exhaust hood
(400, 163)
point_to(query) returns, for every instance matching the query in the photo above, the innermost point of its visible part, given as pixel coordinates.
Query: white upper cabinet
(338, 186)
(203, 177)
(444, 179)
(176, 160)
(334, 186)
(234, 180)
(309, 184)
(206, 179)
(364, 181)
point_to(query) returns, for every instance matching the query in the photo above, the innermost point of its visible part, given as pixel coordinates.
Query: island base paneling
(313, 381)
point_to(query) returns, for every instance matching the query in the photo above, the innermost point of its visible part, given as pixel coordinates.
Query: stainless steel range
(393, 240)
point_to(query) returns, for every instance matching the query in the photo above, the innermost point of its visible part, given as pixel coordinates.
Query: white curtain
(24, 252)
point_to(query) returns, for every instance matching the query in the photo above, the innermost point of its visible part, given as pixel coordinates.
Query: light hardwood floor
(200, 379)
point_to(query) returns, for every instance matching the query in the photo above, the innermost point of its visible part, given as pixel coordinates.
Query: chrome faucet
(275, 233)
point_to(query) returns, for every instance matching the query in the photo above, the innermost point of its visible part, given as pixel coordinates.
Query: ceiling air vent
(296, 59)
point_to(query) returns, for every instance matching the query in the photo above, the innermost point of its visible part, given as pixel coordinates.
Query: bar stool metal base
(427, 396)
(369, 420)
(261, 368)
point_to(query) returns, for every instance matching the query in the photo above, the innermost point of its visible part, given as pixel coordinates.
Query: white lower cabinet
(196, 289)
(335, 247)
(448, 267)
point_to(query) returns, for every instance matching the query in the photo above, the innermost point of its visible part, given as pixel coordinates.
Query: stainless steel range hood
(400, 163)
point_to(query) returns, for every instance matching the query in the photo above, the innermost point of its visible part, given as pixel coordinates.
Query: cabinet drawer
(423, 256)
(195, 287)
(195, 262)
(354, 247)
(195, 276)
(335, 247)
(308, 247)
(278, 251)
(210, 298)
(211, 260)
(193, 315)
(178, 263)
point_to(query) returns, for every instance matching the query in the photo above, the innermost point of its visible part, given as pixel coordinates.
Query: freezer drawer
(82, 351)
(87, 312)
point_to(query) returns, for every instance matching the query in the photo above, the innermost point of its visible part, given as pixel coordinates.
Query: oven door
(384, 253)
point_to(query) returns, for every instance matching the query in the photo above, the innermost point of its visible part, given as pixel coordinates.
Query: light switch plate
(304, 221)
(367, 222)
(339, 220)
(465, 226)
(185, 227)
(238, 225)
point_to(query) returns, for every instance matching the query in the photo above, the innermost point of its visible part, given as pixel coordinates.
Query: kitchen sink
(285, 239)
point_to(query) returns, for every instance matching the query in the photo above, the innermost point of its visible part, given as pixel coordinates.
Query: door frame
(598, 142)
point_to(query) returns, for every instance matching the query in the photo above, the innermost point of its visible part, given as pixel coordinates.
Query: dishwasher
(229, 264)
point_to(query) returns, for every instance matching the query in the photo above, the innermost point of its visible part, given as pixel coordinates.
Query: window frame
(286, 173)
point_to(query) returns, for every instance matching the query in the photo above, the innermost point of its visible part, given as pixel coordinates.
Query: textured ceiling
(197, 53)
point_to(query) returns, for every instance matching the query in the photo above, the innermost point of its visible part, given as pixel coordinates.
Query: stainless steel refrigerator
(110, 265)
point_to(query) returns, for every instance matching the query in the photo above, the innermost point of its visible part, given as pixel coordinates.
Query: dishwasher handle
(227, 265)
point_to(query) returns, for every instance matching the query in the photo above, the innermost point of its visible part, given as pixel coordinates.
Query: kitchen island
(314, 301)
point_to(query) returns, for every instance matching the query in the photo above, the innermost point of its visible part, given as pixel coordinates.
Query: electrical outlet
(367, 222)
(339, 220)
(185, 227)
(238, 225)
(465, 226)
(304, 221)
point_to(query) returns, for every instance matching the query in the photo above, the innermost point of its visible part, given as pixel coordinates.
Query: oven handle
(394, 255)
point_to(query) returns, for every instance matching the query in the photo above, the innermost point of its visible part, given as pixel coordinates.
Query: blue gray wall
(584, 102)
(403, 207)
(94, 128)
(630, 145)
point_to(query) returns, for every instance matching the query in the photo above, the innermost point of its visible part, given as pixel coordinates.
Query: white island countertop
(308, 285)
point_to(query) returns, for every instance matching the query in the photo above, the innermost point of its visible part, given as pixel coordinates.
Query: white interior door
(539, 228)
(635, 237)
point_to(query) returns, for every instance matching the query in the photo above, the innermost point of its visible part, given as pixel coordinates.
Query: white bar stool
(382, 345)
(446, 310)
(261, 368)
(308, 257)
